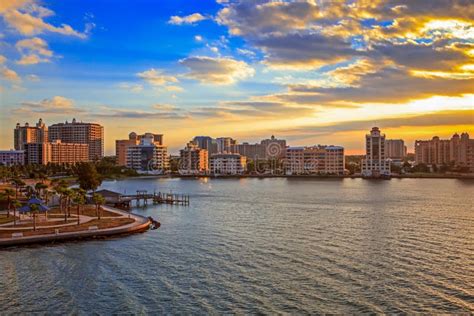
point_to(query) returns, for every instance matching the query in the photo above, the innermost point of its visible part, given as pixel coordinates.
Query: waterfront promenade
(131, 223)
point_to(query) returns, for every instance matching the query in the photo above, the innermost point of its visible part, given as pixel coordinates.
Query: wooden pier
(142, 196)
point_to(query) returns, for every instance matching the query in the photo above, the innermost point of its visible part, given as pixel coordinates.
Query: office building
(314, 160)
(225, 144)
(29, 134)
(193, 160)
(75, 132)
(375, 163)
(12, 157)
(228, 164)
(207, 143)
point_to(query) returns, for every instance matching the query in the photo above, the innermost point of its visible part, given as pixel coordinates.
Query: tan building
(458, 150)
(29, 134)
(228, 164)
(12, 157)
(122, 145)
(69, 153)
(314, 160)
(75, 132)
(395, 148)
(193, 160)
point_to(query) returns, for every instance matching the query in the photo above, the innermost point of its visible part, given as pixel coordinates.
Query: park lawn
(41, 224)
(87, 210)
(101, 224)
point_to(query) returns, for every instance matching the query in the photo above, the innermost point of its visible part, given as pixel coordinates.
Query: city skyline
(310, 72)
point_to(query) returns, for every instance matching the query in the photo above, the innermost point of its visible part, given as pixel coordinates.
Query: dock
(142, 197)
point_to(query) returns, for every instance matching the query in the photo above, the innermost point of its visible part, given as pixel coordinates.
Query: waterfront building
(68, 152)
(29, 134)
(395, 149)
(149, 155)
(122, 145)
(193, 160)
(271, 148)
(458, 150)
(228, 164)
(207, 143)
(225, 144)
(75, 132)
(314, 160)
(12, 157)
(375, 163)
(37, 153)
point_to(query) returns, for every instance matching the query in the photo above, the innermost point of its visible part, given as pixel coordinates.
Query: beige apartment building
(193, 160)
(69, 152)
(375, 163)
(75, 132)
(458, 150)
(314, 160)
(122, 145)
(29, 134)
(149, 156)
(395, 148)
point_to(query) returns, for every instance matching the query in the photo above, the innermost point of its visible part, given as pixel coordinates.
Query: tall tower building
(80, 133)
(29, 134)
(375, 163)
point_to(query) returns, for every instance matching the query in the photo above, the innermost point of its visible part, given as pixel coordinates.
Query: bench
(93, 228)
(17, 235)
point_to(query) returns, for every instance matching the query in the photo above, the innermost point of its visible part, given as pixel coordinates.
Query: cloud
(188, 19)
(198, 38)
(157, 112)
(156, 77)
(441, 118)
(55, 105)
(27, 17)
(33, 51)
(9, 75)
(136, 88)
(3, 59)
(33, 78)
(220, 71)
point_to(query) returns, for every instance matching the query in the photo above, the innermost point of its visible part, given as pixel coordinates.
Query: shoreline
(404, 176)
(140, 225)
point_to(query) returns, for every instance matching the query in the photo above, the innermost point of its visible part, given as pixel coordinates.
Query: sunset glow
(308, 71)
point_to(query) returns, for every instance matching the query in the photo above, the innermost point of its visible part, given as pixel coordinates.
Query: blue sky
(310, 71)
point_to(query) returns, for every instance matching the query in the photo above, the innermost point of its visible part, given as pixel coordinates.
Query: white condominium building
(375, 163)
(228, 164)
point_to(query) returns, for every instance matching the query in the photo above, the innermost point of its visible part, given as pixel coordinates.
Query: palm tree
(68, 194)
(98, 200)
(7, 196)
(16, 204)
(40, 187)
(79, 199)
(34, 208)
(18, 183)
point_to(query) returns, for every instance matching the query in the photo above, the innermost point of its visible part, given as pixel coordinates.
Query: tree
(40, 187)
(34, 208)
(7, 195)
(98, 201)
(79, 199)
(18, 183)
(88, 177)
(15, 204)
(68, 195)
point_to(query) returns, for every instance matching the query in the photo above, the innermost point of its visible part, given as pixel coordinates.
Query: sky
(310, 71)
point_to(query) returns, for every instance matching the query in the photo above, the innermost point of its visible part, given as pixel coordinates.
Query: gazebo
(30, 206)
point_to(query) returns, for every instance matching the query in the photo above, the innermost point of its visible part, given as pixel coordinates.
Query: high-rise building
(274, 148)
(149, 155)
(225, 144)
(29, 134)
(12, 157)
(375, 163)
(122, 145)
(314, 160)
(228, 164)
(251, 151)
(91, 134)
(193, 160)
(395, 148)
(458, 150)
